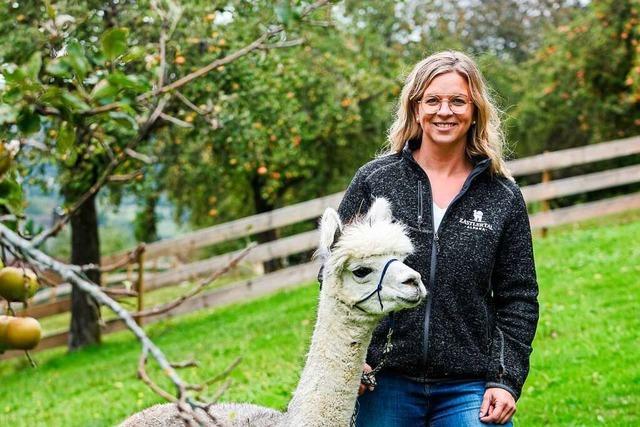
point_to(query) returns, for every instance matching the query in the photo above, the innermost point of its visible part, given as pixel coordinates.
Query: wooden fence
(163, 263)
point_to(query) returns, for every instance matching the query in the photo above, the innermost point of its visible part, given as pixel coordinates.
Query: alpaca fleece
(478, 268)
(227, 414)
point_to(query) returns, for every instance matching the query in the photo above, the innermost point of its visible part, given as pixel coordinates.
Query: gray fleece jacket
(478, 267)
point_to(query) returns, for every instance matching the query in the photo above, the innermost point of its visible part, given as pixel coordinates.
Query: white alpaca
(364, 280)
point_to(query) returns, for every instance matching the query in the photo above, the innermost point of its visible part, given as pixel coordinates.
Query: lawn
(585, 365)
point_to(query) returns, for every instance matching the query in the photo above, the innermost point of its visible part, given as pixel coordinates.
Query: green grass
(585, 365)
(585, 368)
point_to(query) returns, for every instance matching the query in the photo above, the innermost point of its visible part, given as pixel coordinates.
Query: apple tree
(88, 87)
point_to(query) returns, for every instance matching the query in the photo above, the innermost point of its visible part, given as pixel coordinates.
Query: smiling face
(444, 126)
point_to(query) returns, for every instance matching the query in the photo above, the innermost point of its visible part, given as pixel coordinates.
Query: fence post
(140, 283)
(546, 177)
(129, 271)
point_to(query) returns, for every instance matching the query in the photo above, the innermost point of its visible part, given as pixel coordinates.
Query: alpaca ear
(330, 229)
(380, 211)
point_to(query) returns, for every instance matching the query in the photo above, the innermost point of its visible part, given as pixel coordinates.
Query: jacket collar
(480, 163)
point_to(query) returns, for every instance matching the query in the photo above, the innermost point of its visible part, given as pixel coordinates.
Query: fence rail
(575, 156)
(176, 272)
(236, 229)
(585, 211)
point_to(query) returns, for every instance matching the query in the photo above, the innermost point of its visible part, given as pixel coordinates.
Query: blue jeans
(401, 402)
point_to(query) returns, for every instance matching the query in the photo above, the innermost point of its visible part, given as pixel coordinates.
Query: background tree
(278, 121)
(282, 118)
(90, 91)
(583, 85)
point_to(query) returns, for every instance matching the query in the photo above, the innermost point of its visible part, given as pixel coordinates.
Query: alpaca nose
(413, 280)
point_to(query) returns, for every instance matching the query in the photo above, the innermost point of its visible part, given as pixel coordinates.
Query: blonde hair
(485, 138)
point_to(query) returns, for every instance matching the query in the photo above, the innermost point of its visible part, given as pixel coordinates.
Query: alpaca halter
(378, 288)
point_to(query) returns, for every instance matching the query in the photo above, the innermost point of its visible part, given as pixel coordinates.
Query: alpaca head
(363, 261)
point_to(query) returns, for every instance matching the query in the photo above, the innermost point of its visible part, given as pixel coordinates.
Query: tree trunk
(85, 249)
(146, 222)
(262, 205)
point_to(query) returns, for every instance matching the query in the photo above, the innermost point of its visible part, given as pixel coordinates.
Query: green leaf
(283, 12)
(33, 65)
(135, 53)
(103, 89)
(11, 195)
(51, 11)
(53, 96)
(114, 42)
(73, 102)
(7, 114)
(58, 68)
(12, 96)
(76, 59)
(131, 82)
(31, 228)
(28, 121)
(71, 158)
(126, 107)
(124, 119)
(66, 138)
(16, 77)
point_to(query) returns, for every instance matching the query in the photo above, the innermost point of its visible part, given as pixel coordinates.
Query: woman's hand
(498, 406)
(366, 369)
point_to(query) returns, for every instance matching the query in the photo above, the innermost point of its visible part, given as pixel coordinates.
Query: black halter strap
(378, 288)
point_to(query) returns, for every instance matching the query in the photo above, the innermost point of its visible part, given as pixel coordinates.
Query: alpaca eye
(361, 271)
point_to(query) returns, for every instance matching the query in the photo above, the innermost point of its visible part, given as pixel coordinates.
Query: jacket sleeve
(355, 201)
(515, 296)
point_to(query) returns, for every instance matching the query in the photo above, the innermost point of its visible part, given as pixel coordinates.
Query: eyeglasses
(458, 104)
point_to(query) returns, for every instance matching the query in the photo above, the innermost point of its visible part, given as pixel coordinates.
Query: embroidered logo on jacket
(476, 223)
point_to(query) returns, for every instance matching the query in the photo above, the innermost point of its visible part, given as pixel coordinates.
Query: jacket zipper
(427, 314)
(420, 211)
(435, 248)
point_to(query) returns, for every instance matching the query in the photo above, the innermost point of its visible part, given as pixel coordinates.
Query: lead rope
(369, 378)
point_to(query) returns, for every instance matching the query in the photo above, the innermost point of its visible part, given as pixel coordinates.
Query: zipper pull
(436, 240)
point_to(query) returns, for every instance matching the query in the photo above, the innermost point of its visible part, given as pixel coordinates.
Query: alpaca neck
(328, 386)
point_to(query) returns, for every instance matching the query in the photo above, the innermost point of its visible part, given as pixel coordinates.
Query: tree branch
(115, 162)
(175, 121)
(125, 177)
(255, 45)
(139, 156)
(288, 43)
(142, 374)
(190, 104)
(201, 285)
(70, 274)
(127, 259)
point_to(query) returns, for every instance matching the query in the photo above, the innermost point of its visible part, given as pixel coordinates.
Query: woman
(461, 358)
